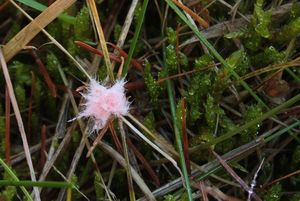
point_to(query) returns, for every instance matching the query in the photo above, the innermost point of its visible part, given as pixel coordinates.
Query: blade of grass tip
(135, 36)
(93, 8)
(213, 51)
(15, 178)
(55, 42)
(236, 177)
(19, 122)
(126, 156)
(7, 126)
(177, 133)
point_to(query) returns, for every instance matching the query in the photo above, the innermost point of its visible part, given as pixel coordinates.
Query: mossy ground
(237, 107)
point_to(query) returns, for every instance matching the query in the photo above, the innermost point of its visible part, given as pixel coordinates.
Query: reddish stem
(113, 57)
(115, 138)
(44, 72)
(144, 162)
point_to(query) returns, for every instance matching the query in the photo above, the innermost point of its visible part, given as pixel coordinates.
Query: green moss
(53, 64)
(183, 60)
(202, 61)
(21, 96)
(296, 157)
(149, 121)
(117, 32)
(169, 198)
(171, 59)
(200, 85)
(239, 62)
(152, 87)
(261, 19)
(289, 31)
(212, 111)
(82, 30)
(75, 194)
(253, 112)
(171, 36)
(269, 56)
(99, 190)
(9, 193)
(274, 193)
(295, 10)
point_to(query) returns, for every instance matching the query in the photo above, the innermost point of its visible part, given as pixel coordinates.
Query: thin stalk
(179, 141)
(19, 122)
(29, 183)
(15, 178)
(177, 134)
(93, 8)
(127, 167)
(135, 37)
(282, 131)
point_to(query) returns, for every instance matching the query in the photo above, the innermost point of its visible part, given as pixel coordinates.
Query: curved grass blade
(135, 37)
(15, 178)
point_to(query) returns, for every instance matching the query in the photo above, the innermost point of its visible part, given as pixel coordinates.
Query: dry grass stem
(19, 121)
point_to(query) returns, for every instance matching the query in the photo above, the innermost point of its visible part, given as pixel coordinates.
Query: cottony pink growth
(102, 102)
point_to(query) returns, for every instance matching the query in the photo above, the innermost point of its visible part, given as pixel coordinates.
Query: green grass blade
(135, 37)
(15, 178)
(28, 183)
(178, 140)
(178, 136)
(41, 7)
(282, 131)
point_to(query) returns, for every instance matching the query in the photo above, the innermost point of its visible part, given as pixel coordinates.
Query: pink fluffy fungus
(101, 103)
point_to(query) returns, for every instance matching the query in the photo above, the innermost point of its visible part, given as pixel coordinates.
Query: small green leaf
(261, 19)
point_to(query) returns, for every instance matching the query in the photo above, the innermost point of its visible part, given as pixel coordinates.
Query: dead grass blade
(7, 126)
(126, 156)
(136, 177)
(95, 15)
(19, 121)
(19, 41)
(236, 177)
